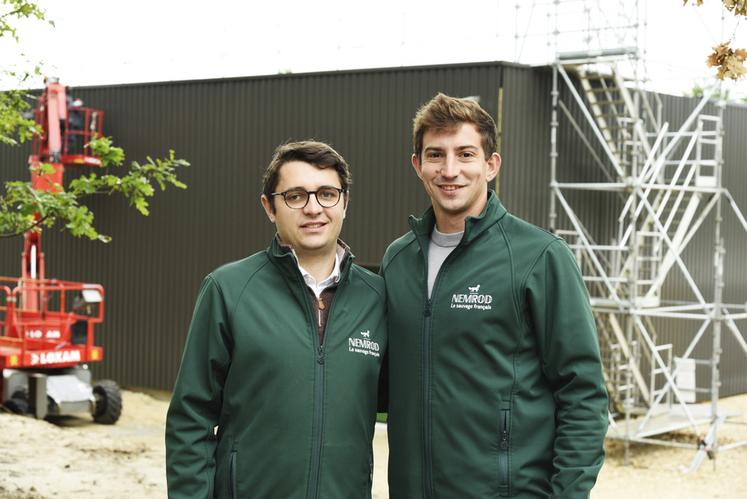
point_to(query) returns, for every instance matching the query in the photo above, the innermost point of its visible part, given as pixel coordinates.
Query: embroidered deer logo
(474, 289)
(366, 333)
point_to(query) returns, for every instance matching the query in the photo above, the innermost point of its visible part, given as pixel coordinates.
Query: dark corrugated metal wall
(227, 129)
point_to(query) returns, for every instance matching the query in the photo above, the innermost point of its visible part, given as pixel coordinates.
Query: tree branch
(20, 233)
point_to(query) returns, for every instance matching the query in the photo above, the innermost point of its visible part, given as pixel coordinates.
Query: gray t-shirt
(440, 247)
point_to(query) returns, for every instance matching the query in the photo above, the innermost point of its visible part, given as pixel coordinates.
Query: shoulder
(529, 245)
(236, 275)
(518, 228)
(396, 247)
(368, 278)
(527, 241)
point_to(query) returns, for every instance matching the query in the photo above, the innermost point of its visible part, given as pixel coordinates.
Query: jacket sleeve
(196, 401)
(559, 309)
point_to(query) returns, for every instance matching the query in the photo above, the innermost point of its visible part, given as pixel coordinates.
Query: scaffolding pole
(666, 192)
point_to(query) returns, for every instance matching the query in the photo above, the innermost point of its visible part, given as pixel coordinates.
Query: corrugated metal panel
(228, 129)
(734, 367)
(525, 172)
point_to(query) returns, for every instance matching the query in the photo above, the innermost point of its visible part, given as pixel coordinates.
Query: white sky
(109, 42)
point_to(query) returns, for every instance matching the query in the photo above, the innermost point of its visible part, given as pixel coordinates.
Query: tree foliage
(736, 7)
(24, 208)
(14, 127)
(699, 91)
(12, 11)
(728, 61)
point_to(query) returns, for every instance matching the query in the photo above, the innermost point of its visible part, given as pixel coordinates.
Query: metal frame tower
(664, 186)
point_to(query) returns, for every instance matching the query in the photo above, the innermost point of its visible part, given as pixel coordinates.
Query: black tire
(18, 404)
(108, 402)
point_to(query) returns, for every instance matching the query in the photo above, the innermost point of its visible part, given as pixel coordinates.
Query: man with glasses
(276, 394)
(496, 386)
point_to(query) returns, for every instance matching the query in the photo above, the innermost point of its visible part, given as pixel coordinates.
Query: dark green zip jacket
(295, 418)
(495, 383)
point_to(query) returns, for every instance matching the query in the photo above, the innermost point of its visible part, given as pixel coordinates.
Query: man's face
(455, 172)
(313, 229)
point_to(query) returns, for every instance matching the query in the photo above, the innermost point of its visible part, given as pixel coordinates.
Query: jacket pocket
(232, 476)
(504, 447)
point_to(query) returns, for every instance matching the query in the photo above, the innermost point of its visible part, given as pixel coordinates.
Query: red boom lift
(47, 325)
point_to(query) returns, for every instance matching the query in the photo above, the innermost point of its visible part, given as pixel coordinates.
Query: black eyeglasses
(297, 199)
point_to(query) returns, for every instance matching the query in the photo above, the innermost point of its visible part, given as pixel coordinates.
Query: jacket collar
(473, 226)
(281, 255)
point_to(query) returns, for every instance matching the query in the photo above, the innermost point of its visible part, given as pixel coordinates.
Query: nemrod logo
(364, 345)
(472, 300)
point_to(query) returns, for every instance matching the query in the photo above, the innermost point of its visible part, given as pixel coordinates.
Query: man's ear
(416, 165)
(494, 166)
(269, 209)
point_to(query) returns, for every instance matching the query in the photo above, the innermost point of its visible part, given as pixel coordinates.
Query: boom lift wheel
(18, 403)
(108, 402)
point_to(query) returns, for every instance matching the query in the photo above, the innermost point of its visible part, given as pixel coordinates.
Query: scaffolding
(664, 187)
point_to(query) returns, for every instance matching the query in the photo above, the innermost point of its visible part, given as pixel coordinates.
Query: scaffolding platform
(666, 420)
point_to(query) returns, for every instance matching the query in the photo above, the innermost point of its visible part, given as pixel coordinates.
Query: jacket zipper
(426, 360)
(427, 452)
(318, 423)
(317, 428)
(503, 452)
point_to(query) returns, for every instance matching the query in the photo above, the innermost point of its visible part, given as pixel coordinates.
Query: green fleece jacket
(495, 382)
(295, 418)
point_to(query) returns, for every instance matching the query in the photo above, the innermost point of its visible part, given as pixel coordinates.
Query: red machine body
(66, 130)
(35, 318)
(44, 337)
(47, 325)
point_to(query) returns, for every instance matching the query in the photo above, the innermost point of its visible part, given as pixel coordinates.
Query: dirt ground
(77, 458)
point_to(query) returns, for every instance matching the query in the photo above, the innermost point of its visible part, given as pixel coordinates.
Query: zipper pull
(427, 311)
(504, 433)
(320, 354)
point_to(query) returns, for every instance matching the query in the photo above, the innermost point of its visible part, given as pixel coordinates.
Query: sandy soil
(78, 458)
(658, 472)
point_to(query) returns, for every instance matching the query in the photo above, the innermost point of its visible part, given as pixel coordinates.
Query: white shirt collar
(330, 281)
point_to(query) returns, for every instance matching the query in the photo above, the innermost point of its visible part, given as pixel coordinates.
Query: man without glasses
(495, 381)
(276, 394)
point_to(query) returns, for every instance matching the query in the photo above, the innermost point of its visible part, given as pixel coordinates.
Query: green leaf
(20, 203)
(103, 148)
(142, 206)
(42, 169)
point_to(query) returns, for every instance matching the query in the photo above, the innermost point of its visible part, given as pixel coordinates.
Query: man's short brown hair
(315, 153)
(443, 113)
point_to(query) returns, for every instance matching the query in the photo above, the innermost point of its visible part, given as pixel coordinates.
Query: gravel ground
(77, 458)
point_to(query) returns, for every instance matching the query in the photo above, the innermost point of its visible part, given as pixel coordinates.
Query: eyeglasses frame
(308, 196)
